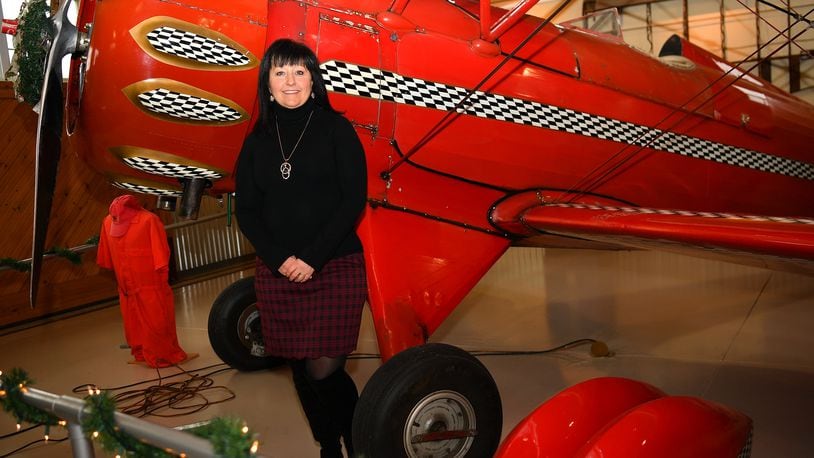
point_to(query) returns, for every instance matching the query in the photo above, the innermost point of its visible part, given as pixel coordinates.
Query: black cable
(188, 396)
(177, 396)
(598, 348)
(20, 431)
(573, 343)
(23, 447)
(84, 387)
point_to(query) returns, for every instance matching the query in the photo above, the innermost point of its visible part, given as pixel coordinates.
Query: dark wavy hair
(282, 52)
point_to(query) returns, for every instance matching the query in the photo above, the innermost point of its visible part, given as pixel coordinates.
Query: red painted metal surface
(615, 417)
(559, 427)
(758, 236)
(441, 217)
(108, 119)
(9, 26)
(672, 427)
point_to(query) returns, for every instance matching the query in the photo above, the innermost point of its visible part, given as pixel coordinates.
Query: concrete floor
(737, 335)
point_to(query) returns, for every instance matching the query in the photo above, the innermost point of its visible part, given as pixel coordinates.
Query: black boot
(316, 412)
(339, 395)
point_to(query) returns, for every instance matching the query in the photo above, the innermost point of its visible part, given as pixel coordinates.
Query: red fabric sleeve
(103, 258)
(158, 243)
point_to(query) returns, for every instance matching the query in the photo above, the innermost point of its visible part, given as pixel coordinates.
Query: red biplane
(483, 128)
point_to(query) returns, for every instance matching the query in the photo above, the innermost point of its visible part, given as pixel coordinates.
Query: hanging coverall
(133, 243)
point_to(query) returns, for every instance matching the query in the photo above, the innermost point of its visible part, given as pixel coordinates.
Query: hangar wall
(81, 199)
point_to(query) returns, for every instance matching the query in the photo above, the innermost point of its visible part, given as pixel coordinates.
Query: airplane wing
(773, 242)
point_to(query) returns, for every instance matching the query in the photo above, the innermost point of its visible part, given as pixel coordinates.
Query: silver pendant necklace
(285, 167)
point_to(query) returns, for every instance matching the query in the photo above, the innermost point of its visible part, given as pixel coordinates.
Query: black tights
(322, 368)
(328, 396)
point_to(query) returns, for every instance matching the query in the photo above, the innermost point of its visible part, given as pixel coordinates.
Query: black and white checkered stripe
(195, 47)
(146, 189)
(659, 211)
(746, 451)
(378, 84)
(185, 106)
(170, 169)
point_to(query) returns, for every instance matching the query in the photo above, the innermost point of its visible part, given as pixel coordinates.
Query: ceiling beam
(589, 6)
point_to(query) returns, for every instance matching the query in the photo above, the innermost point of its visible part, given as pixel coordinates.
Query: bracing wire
(450, 115)
(803, 51)
(789, 11)
(597, 176)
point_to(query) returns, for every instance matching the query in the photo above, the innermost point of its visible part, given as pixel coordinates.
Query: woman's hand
(296, 270)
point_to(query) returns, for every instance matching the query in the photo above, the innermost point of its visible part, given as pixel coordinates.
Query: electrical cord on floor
(23, 447)
(184, 397)
(4, 436)
(599, 349)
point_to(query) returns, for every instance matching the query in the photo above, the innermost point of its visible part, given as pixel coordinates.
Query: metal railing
(72, 410)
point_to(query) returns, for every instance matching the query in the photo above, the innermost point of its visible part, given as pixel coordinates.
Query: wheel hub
(440, 425)
(250, 332)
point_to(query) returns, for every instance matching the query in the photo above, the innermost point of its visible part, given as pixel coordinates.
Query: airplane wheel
(434, 400)
(234, 328)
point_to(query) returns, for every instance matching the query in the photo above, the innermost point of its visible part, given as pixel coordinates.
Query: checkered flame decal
(187, 45)
(145, 186)
(174, 101)
(164, 164)
(383, 85)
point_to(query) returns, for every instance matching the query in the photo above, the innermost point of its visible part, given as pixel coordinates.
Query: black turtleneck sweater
(311, 215)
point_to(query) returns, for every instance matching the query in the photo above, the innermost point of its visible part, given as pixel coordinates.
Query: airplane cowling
(155, 95)
(617, 417)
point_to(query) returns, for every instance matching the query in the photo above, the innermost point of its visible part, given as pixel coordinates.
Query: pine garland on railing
(12, 386)
(67, 253)
(230, 437)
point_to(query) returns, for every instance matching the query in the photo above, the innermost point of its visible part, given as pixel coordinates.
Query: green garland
(72, 256)
(27, 70)
(103, 428)
(11, 398)
(229, 436)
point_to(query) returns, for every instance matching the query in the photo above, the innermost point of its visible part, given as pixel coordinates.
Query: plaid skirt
(320, 317)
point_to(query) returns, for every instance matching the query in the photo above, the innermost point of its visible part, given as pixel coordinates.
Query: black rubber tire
(234, 328)
(409, 382)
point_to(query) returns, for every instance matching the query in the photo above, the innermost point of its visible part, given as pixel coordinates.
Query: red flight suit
(133, 243)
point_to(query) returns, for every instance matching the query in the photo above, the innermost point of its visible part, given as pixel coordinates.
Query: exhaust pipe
(191, 198)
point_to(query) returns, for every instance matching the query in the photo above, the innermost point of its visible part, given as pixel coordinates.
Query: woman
(301, 186)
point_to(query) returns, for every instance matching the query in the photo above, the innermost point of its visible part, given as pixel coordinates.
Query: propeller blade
(49, 137)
